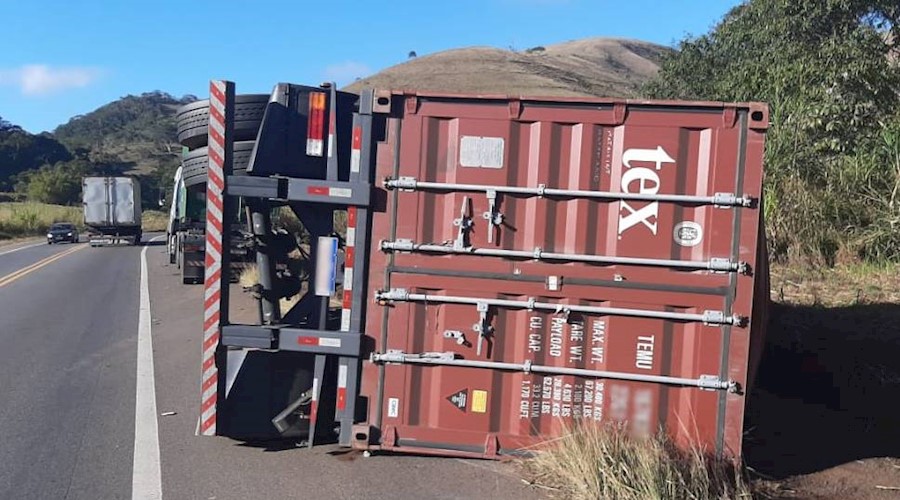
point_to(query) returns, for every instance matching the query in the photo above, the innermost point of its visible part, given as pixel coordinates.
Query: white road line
(146, 480)
(22, 248)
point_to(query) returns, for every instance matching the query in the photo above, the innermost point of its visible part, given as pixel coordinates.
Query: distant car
(62, 231)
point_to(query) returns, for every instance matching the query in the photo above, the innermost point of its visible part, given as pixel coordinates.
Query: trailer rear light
(315, 130)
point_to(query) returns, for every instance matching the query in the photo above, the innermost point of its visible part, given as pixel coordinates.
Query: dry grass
(19, 219)
(595, 462)
(591, 67)
(154, 220)
(250, 277)
(28, 218)
(836, 286)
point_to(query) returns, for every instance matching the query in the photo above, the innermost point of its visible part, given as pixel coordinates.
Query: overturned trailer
(510, 267)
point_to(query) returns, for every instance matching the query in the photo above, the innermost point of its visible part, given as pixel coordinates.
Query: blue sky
(61, 58)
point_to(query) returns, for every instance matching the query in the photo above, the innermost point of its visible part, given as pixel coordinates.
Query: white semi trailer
(112, 209)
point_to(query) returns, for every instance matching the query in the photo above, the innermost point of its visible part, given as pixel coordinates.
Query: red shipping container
(540, 262)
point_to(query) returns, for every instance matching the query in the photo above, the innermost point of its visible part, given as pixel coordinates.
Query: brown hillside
(609, 67)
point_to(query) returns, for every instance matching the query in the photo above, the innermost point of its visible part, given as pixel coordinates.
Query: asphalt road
(69, 329)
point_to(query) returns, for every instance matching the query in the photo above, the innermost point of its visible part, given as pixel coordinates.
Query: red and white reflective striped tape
(314, 403)
(356, 149)
(319, 341)
(342, 388)
(213, 280)
(349, 253)
(329, 191)
(332, 126)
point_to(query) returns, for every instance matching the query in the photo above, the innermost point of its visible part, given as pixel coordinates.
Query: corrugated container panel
(683, 308)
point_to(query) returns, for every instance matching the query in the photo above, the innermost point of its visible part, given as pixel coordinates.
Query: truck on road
(186, 230)
(185, 234)
(112, 209)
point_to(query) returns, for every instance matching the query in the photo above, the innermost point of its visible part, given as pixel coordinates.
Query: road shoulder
(198, 467)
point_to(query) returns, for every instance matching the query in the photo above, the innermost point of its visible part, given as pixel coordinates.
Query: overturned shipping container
(538, 262)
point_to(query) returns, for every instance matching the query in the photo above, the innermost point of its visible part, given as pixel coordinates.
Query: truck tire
(192, 120)
(194, 164)
(178, 253)
(170, 249)
(185, 280)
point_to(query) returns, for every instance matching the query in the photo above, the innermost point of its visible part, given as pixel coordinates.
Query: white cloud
(346, 72)
(40, 79)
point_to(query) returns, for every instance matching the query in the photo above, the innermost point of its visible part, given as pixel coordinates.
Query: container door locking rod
(714, 264)
(709, 317)
(706, 382)
(722, 200)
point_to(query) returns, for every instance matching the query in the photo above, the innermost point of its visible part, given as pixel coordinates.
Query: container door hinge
(492, 446)
(729, 117)
(515, 109)
(412, 104)
(620, 112)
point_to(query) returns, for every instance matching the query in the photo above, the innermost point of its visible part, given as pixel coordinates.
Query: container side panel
(602, 236)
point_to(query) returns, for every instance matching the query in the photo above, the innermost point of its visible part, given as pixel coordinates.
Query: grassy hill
(21, 151)
(609, 67)
(136, 130)
(134, 135)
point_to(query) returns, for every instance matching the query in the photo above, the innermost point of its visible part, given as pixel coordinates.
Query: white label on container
(481, 152)
(393, 407)
(340, 192)
(326, 342)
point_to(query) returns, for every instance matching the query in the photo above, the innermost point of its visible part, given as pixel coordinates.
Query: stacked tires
(192, 123)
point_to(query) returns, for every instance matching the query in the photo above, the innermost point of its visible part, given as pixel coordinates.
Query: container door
(122, 201)
(96, 208)
(541, 264)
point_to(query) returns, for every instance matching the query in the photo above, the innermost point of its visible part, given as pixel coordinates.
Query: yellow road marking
(13, 276)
